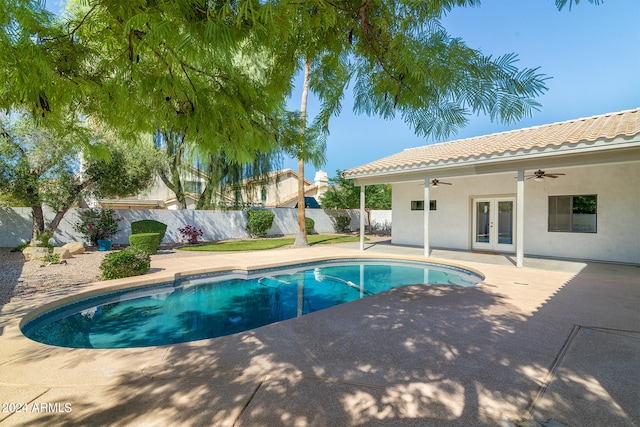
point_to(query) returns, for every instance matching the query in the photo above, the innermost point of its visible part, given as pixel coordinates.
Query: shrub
(21, 246)
(310, 225)
(43, 239)
(146, 242)
(126, 263)
(259, 222)
(52, 258)
(149, 226)
(191, 234)
(97, 224)
(343, 224)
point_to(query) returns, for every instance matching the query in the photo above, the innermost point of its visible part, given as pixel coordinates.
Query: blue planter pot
(104, 245)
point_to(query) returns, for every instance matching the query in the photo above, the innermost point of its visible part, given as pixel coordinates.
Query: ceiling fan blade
(554, 175)
(445, 183)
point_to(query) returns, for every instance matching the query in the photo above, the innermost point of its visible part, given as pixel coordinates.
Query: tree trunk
(301, 235)
(38, 223)
(175, 151)
(73, 198)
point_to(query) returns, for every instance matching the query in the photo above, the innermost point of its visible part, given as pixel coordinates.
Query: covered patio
(566, 190)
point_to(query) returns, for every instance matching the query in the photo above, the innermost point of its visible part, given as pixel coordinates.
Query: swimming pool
(200, 307)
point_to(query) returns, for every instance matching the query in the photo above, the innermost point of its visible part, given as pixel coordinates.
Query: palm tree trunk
(301, 235)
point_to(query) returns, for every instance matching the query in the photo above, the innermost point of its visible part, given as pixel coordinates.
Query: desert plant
(191, 234)
(149, 226)
(21, 246)
(309, 225)
(259, 222)
(97, 224)
(146, 242)
(126, 263)
(343, 224)
(52, 258)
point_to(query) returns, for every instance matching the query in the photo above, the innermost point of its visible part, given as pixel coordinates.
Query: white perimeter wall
(616, 186)
(15, 223)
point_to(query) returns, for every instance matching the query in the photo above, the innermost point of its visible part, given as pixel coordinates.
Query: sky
(591, 54)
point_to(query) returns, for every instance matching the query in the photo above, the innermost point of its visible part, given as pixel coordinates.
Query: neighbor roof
(578, 131)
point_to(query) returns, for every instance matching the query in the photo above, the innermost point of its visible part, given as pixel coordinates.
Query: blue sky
(591, 53)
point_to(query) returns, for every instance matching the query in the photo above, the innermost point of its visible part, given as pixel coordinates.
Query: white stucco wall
(616, 186)
(15, 223)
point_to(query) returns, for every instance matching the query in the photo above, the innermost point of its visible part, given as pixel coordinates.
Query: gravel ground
(22, 278)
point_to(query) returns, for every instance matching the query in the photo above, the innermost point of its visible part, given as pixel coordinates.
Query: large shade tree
(40, 167)
(343, 194)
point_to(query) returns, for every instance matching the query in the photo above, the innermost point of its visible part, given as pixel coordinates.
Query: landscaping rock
(34, 253)
(74, 248)
(64, 253)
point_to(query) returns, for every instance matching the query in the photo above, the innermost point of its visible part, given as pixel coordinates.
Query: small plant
(259, 222)
(309, 225)
(126, 263)
(146, 242)
(191, 234)
(343, 224)
(97, 224)
(149, 226)
(52, 258)
(21, 246)
(43, 239)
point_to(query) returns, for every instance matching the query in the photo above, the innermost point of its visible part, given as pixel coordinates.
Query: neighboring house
(280, 191)
(567, 190)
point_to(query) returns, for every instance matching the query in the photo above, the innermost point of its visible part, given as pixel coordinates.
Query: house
(568, 190)
(281, 190)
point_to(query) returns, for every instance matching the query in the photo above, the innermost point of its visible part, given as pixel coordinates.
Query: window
(193, 187)
(576, 214)
(418, 205)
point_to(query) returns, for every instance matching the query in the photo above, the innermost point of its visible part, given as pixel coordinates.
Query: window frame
(553, 201)
(418, 205)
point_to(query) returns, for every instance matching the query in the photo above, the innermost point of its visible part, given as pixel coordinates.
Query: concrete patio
(553, 340)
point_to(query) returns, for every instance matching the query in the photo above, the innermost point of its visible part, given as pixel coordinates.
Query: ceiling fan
(539, 175)
(435, 182)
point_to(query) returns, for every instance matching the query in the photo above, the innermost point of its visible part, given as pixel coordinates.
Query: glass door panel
(483, 222)
(505, 222)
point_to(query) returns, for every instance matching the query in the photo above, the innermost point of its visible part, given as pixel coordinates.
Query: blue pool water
(196, 308)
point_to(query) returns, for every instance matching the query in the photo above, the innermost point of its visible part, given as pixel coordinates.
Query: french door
(494, 224)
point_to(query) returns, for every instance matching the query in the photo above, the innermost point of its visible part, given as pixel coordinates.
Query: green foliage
(126, 263)
(309, 225)
(343, 224)
(343, 194)
(97, 224)
(21, 246)
(146, 242)
(149, 226)
(43, 239)
(52, 258)
(259, 222)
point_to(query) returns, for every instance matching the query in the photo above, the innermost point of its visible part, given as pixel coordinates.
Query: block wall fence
(15, 223)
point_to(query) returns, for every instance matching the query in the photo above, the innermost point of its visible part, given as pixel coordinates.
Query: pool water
(198, 308)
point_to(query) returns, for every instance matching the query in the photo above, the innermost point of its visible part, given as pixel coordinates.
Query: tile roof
(584, 130)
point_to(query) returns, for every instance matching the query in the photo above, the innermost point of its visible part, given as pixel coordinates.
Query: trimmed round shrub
(146, 242)
(126, 263)
(149, 226)
(343, 224)
(310, 225)
(259, 222)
